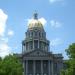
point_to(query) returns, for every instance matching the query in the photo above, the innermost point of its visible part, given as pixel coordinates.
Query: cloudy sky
(57, 17)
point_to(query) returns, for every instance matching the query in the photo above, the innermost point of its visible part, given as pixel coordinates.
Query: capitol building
(36, 56)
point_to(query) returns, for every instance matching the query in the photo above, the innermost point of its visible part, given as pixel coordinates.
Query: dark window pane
(36, 44)
(31, 45)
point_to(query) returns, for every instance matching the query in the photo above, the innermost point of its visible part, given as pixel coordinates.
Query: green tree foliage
(70, 63)
(10, 65)
(71, 51)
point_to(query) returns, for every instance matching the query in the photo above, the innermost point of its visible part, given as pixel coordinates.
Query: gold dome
(34, 22)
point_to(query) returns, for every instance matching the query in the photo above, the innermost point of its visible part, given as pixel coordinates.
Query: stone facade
(36, 55)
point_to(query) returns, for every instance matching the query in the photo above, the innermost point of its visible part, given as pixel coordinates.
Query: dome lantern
(35, 16)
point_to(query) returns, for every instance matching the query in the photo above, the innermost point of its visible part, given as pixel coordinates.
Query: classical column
(48, 67)
(26, 67)
(33, 44)
(38, 43)
(22, 49)
(41, 67)
(25, 46)
(52, 67)
(28, 46)
(34, 67)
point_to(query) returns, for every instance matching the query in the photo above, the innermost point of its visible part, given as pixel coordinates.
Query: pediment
(36, 53)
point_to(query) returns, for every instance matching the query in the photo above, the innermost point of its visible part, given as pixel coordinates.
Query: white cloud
(10, 33)
(43, 20)
(54, 1)
(56, 42)
(4, 49)
(55, 24)
(4, 40)
(3, 19)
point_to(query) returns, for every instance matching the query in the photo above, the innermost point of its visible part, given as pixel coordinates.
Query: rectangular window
(30, 66)
(38, 67)
(31, 45)
(45, 66)
(26, 46)
(35, 44)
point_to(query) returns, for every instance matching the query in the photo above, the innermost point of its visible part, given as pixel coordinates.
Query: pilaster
(41, 67)
(34, 67)
(33, 44)
(26, 67)
(49, 67)
(52, 67)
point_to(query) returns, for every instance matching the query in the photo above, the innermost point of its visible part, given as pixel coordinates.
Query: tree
(11, 65)
(71, 51)
(70, 63)
(0, 58)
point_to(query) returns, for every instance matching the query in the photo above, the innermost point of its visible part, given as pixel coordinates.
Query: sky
(57, 17)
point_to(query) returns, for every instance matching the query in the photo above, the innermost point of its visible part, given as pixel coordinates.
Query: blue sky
(58, 17)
